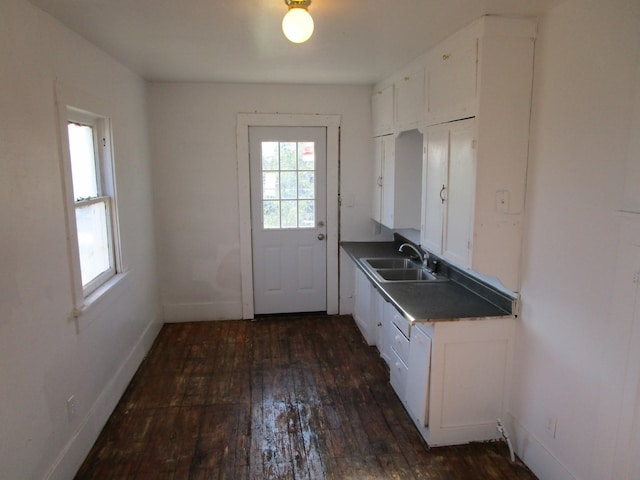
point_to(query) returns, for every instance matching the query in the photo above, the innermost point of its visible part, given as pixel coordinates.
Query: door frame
(332, 124)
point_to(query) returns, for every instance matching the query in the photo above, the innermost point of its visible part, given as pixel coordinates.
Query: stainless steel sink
(406, 274)
(395, 269)
(402, 263)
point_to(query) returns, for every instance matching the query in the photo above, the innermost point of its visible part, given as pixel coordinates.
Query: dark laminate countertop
(425, 301)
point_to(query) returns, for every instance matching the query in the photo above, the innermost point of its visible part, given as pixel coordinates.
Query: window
(288, 185)
(92, 193)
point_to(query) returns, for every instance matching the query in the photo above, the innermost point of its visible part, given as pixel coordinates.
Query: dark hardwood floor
(277, 398)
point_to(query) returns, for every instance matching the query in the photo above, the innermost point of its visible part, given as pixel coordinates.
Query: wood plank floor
(277, 398)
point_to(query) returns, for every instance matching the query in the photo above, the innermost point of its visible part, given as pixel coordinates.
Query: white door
(288, 218)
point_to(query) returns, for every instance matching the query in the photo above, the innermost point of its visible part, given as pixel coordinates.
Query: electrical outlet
(71, 408)
(552, 424)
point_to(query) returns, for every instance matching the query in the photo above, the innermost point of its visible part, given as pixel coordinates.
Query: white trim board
(332, 124)
(75, 451)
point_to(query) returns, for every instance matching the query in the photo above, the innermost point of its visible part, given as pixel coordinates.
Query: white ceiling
(355, 41)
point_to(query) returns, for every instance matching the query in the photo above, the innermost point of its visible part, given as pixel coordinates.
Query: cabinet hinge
(636, 277)
(474, 144)
(104, 142)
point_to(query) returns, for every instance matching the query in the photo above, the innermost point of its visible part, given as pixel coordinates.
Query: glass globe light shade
(297, 25)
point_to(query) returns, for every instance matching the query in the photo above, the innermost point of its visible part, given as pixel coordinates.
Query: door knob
(321, 236)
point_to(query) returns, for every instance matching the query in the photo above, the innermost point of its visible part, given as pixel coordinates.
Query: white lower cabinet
(417, 391)
(458, 378)
(398, 340)
(362, 307)
(453, 377)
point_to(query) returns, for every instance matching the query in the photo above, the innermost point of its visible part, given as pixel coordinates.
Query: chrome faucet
(423, 256)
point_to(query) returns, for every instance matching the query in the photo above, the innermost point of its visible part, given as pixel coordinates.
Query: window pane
(289, 214)
(289, 186)
(306, 213)
(271, 214)
(83, 161)
(269, 155)
(306, 156)
(93, 240)
(288, 152)
(270, 185)
(306, 185)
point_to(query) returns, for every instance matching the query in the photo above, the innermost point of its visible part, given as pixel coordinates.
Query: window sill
(110, 289)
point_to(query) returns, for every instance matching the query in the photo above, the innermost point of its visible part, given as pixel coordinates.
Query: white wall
(193, 141)
(585, 84)
(43, 360)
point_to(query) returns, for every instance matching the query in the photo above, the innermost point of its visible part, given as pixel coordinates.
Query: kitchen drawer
(400, 344)
(401, 323)
(398, 373)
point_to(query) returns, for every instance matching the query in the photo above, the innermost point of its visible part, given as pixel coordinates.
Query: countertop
(428, 301)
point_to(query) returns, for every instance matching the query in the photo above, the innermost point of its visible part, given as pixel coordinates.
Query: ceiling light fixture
(297, 24)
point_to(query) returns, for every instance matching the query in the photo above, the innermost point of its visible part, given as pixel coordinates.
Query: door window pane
(306, 213)
(306, 156)
(270, 156)
(306, 185)
(288, 154)
(271, 214)
(289, 214)
(270, 185)
(288, 185)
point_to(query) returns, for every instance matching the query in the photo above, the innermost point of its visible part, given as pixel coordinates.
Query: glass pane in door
(288, 185)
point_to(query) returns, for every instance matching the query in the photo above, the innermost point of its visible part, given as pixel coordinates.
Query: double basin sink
(400, 270)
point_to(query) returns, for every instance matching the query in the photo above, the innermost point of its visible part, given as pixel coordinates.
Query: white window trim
(74, 104)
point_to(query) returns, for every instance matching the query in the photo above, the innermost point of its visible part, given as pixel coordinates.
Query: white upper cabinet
(383, 161)
(458, 241)
(451, 81)
(448, 193)
(474, 178)
(410, 90)
(435, 184)
(397, 180)
(383, 110)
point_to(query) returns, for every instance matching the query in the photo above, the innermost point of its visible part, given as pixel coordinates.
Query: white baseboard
(199, 312)
(76, 450)
(535, 455)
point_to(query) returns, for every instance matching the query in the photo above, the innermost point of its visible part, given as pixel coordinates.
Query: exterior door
(288, 218)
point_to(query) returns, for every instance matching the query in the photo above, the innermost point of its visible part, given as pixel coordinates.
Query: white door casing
(288, 218)
(332, 125)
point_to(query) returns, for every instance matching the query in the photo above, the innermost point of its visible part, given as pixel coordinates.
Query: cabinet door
(457, 242)
(417, 389)
(382, 110)
(378, 161)
(435, 157)
(361, 308)
(451, 82)
(388, 331)
(376, 305)
(410, 91)
(388, 181)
